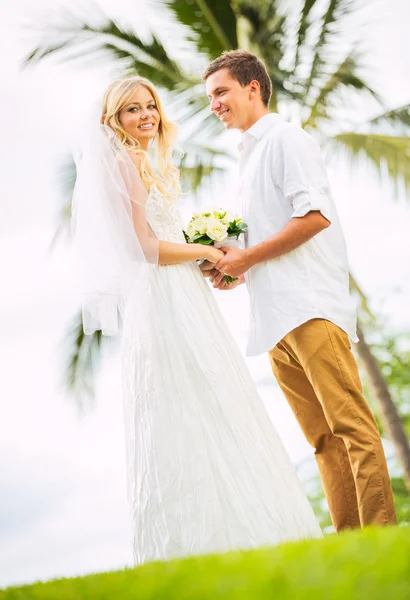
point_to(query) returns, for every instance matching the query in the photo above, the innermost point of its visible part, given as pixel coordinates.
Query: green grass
(370, 565)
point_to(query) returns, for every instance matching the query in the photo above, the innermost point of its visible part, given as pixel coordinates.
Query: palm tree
(391, 423)
(315, 73)
(386, 408)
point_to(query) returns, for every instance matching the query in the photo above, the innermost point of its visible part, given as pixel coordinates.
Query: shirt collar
(259, 129)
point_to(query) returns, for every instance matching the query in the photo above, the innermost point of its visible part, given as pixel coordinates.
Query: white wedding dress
(206, 469)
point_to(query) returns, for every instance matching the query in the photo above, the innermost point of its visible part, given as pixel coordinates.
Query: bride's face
(140, 117)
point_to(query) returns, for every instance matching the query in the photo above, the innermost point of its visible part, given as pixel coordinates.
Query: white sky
(62, 479)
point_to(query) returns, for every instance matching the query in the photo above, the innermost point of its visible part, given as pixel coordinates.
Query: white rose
(216, 230)
(191, 231)
(201, 224)
(228, 218)
(196, 227)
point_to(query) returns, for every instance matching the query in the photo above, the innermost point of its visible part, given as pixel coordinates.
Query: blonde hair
(115, 98)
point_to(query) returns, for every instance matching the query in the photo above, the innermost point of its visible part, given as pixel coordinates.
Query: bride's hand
(212, 254)
(206, 268)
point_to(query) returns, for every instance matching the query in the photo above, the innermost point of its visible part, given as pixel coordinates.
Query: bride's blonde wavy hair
(116, 96)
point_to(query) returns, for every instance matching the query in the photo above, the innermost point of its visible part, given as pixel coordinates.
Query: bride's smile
(140, 117)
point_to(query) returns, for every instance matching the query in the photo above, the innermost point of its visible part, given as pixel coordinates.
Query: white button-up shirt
(281, 176)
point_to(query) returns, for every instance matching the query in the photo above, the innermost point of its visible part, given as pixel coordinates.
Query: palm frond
(398, 117)
(190, 108)
(149, 60)
(345, 76)
(212, 24)
(365, 312)
(66, 177)
(390, 155)
(84, 354)
(336, 9)
(265, 37)
(206, 127)
(199, 163)
(304, 24)
(42, 52)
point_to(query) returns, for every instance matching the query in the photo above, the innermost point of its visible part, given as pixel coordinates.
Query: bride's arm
(158, 251)
(170, 253)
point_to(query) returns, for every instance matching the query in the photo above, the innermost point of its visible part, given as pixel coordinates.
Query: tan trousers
(318, 374)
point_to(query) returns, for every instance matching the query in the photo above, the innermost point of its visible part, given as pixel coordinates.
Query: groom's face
(230, 102)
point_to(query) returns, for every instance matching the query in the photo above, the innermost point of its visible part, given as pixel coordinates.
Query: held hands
(232, 261)
(213, 255)
(207, 267)
(219, 283)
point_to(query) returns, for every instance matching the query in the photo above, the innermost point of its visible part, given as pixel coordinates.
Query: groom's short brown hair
(244, 67)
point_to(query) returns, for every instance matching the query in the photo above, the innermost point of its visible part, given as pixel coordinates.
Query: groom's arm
(295, 233)
(299, 172)
(298, 231)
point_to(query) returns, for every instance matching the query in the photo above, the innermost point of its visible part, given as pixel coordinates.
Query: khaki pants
(318, 374)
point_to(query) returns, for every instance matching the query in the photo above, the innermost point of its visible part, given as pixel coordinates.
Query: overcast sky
(62, 479)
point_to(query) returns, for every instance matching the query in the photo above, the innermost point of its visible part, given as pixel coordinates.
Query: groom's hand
(219, 283)
(235, 262)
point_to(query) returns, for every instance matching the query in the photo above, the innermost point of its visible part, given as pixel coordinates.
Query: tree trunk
(387, 410)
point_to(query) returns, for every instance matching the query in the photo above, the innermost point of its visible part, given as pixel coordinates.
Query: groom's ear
(255, 88)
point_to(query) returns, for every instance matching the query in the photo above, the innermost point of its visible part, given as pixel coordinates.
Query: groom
(296, 271)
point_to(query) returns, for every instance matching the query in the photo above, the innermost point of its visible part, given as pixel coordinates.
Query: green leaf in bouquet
(235, 230)
(241, 227)
(228, 279)
(202, 239)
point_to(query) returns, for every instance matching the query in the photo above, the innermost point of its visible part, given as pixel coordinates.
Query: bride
(206, 469)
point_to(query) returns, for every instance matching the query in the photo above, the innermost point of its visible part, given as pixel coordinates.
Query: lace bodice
(163, 217)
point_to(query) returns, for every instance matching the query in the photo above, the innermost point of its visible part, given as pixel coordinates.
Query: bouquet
(217, 227)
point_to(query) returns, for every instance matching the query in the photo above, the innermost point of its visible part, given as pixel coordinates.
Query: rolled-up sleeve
(300, 173)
